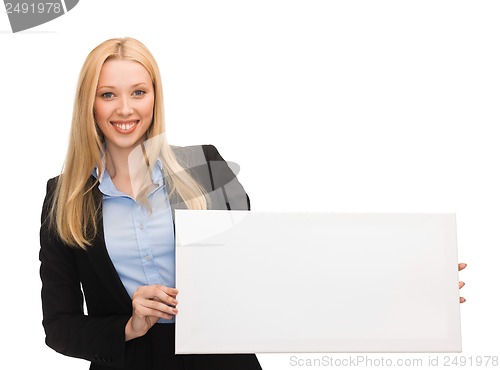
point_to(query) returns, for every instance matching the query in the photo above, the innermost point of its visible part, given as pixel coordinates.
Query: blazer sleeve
(68, 329)
(224, 180)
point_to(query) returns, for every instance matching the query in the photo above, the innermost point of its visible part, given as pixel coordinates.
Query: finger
(147, 307)
(147, 313)
(462, 299)
(165, 298)
(159, 306)
(172, 292)
(461, 284)
(157, 291)
(461, 266)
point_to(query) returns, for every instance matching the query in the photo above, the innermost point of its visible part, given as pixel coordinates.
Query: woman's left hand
(461, 266)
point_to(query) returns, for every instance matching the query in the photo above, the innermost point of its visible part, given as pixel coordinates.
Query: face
(124, 103)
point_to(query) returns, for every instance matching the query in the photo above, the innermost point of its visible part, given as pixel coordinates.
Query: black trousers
(162, 339)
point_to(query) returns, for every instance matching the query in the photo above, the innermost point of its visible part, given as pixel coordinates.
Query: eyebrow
(113, 87)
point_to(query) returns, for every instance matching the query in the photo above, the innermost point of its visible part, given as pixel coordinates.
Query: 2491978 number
(24, 8)
(474, 361)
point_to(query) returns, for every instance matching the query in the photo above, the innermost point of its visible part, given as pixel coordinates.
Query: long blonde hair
(74, 206)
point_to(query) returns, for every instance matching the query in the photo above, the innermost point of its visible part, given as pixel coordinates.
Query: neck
(117, 163)
(127, 169)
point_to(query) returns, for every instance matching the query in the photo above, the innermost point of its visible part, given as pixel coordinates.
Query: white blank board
(269, 282)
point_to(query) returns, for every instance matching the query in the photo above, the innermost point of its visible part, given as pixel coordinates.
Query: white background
(348, 106)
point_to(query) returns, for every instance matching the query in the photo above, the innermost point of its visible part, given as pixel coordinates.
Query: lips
(125, 127)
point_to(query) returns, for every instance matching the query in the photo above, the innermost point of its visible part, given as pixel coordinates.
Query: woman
(107, 220)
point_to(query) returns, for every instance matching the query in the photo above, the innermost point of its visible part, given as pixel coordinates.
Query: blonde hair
(74, 206)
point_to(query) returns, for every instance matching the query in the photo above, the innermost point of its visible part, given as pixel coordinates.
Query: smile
(125, 126)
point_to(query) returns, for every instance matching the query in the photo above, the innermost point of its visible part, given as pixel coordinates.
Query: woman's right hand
(149, 304)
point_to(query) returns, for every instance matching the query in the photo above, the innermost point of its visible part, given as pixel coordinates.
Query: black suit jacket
(71, 275)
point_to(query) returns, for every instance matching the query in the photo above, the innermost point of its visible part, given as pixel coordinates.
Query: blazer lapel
(104, 268)
(100, 260)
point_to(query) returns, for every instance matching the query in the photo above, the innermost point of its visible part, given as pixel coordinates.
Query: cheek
(97, 112)
(148, 108)
(101, 114)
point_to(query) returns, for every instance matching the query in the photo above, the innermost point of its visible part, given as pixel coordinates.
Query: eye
(107, 95)
(139, 92)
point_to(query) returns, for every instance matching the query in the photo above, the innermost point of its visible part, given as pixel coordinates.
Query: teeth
(125, 126)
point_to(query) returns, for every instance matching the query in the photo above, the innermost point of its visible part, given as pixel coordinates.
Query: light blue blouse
(140, 243)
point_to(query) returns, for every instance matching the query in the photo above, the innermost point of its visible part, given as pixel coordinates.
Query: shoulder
(46, 225)
(206, 164)
(211, 153)
(197, 153)
(52, 184)
(49, 191)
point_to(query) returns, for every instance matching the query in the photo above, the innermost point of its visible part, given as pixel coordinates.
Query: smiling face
(124, 104)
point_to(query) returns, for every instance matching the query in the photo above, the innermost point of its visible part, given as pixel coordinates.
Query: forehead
(118, 72)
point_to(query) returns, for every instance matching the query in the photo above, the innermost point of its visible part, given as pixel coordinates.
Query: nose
(125, 107)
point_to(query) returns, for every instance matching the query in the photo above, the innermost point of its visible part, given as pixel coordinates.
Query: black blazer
(65, 271)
